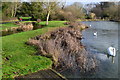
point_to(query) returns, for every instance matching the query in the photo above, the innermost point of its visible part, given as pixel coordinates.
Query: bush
(38, 20)
(36, 25)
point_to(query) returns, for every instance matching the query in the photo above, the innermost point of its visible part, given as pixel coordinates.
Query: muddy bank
(64, 47)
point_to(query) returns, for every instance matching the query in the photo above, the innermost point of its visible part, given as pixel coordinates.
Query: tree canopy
(60, 11)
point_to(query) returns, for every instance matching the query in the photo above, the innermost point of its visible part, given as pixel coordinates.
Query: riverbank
(92, 20)
(67, 50)
(115, 20)
(19, 58)
(98, 20)
(8, 25)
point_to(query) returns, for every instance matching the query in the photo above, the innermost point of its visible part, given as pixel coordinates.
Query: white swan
(111, 51)
(90, 25)
(95, 34)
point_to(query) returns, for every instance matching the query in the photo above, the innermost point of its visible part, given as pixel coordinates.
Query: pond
(107, 35)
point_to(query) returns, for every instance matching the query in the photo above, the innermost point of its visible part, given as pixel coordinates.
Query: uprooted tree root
(65, 48)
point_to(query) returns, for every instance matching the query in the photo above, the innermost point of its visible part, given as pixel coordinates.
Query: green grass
(25, 17)
(53, 23)
(27, 21)
(0, 66)
(22, 58)
(7, 26)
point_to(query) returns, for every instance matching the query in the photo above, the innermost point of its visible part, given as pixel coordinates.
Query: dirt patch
(65, 48)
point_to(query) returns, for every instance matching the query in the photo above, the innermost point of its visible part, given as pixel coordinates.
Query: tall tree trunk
(15, 10)
(47, 17)
(12, 13)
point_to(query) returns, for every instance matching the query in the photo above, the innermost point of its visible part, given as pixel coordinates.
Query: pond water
(107, 35)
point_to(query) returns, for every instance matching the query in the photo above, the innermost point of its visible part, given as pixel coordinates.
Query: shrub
(38, 20)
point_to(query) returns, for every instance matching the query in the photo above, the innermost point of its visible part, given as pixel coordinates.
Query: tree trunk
(15, 10)
(47, 17)
(12, 13)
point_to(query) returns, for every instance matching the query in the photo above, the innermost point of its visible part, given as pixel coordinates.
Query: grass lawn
(7, 26)
(19, 58)
(0, 66)
(10, 25)
(25, 17)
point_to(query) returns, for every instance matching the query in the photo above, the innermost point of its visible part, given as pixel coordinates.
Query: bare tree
(63, 5)
(88, 7)
(10, 8)
(50, 6)
(75, 9)
(14, 6)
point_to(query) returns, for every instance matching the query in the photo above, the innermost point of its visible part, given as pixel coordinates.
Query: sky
(87, 1)
(67, 1)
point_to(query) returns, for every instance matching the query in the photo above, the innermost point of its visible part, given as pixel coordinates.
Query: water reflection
(107, 35)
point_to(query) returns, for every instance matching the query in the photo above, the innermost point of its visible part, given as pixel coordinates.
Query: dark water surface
(107, 35)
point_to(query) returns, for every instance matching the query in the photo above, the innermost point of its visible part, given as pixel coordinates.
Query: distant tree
(92, 15)
(70, 12)
(88, 7)
(10, 8)
(50, 7)
(103, 9)
(63, 5)
(33, 9)
(0, 11)
(6, 9)
(25, 9)
(76, 9)
(119, 10)
(15, 6)
(38, 10)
